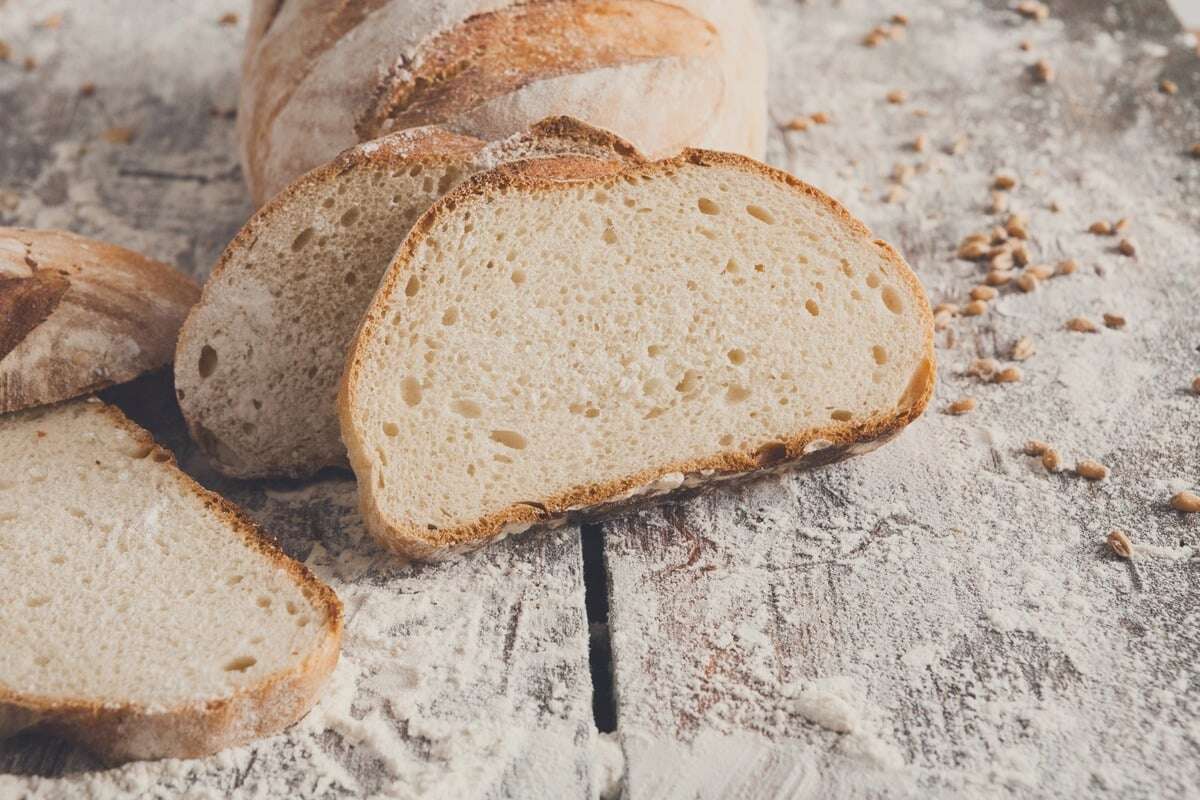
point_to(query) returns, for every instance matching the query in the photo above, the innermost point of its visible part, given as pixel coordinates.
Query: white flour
(939, 619)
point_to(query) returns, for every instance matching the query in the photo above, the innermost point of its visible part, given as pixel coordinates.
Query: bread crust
(124, 731)
(802, 449)
(77, 315)
(428, 147)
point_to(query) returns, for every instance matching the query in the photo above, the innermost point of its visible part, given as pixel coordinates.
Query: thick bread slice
(261, 354)
(143, 616)
(562, 336)
(77, 315)
(319, 77)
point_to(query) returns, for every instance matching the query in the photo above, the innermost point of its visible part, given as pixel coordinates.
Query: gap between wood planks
(595, 594)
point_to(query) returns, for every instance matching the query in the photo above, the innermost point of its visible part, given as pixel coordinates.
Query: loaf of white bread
(566, 336)
(319, 77)
(77, 315)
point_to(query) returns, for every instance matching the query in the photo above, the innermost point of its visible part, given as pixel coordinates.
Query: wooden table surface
(939, 618)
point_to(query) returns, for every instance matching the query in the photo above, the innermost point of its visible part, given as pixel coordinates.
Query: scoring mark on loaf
(526, 43)
(26, 302)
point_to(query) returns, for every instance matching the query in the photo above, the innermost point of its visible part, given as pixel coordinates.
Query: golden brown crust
(131, 731)
(812, 447)
(499, 52)
(77, 314)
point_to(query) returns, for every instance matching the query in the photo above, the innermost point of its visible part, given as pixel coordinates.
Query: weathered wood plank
(461, 680)
(942, 617)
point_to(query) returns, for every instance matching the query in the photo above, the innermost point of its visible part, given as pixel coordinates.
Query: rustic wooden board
(461, 680)
(943, 617)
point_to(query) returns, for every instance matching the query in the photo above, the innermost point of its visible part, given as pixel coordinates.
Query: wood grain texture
(943, 618)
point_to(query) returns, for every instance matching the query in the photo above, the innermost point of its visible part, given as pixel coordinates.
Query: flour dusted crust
(800, 450)
(77, 315)
(317, 78)
(119, 732)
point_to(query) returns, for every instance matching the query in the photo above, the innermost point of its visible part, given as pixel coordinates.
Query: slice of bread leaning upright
(261, 354)
(562, 336)
(142, 616)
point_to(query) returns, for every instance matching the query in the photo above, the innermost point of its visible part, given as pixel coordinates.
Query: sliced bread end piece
(557, 338)
(77, 315)
(145, 617)
(260, 356)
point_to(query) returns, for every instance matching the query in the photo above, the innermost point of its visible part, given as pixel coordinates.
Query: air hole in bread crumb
(880, 354)
(248, 428)
(450, 316)
(351, 216)
(609, 236)
(655, 350)
(208, 361)
(302, 238)
(58, 560)
(427, 185)
(770, 453)
(264, 601)
(760, 268)
(856, 294)
(503, 459)
(518, 277)
(391, 429)
(412, 287)
(760, 214)
(812, 307)
(410, 390)
(592, 413)
(655, 412)
(447, 180)
(708, 207)
(725, 440)
(467, 408)
(873, 281)
(731, 267)
(891, 299)
(509, 439)
(36, 602)
(841, 415)
(42, 661)
(241, 664)
(736, 394)
(291, 607)
(257, 404)
(689, 382)
(847, 270)
(327, 202)
(652, 387)
(737, 356)
(350, 279)
(234, 580)
(471, 470)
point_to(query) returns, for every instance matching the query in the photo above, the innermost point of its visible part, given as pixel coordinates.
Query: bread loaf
(565, 336)
(77, 315)
(143, 617)
(320, 77)
(261, 354)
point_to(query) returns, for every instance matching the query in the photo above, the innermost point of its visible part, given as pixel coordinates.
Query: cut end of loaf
(260, 356)
(551, 341)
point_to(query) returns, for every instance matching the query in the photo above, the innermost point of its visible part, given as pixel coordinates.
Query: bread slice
(77, 315)
(261, 354)
(142, 616)
(561, 336)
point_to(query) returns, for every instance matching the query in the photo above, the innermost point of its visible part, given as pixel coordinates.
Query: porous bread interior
(535, 342)
(258, 367)
(120, 585)
(258, 370)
